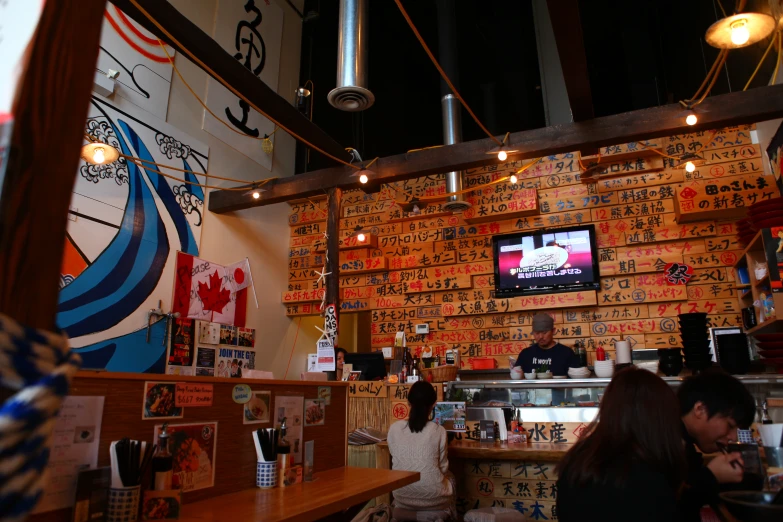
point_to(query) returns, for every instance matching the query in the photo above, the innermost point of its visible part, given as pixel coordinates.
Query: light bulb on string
(513, 179)
(691, 119)
(98, 153)
(690, 167)
(363, 178)
(361, 237)
(256, 194)
(502, 155)
(739, 32)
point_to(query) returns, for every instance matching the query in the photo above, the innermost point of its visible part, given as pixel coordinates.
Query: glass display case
(576, 400)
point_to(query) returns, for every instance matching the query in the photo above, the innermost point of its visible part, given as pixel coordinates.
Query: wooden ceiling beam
(567, 27)
(755, 105)
(222, 64)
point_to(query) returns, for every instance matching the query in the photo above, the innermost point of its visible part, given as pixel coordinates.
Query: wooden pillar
(333, 252)
(49, 114)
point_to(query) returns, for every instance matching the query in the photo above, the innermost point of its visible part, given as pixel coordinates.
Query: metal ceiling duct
(351, 93)
(451, 108)
(452, 133)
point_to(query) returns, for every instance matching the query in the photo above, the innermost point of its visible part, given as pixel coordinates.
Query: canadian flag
(239, 274)
(203, 290)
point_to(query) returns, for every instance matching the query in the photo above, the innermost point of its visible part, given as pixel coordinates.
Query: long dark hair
(638, 422)
(421, 397)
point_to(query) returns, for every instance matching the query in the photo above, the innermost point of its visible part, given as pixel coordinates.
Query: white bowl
(531, 375)
(560, 376)
(603, 364)
(547, 375)
(604, 374)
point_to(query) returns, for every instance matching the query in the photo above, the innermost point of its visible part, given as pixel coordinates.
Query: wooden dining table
(330, 492)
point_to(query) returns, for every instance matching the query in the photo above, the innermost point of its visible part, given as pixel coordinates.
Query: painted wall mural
(145, 70)
(126, 226)
(251, 31)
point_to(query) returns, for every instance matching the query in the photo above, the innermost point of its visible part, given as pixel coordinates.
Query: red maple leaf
(212, 297)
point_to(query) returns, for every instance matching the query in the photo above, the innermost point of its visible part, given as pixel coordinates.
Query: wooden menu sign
(501, 201)
(371, 389)
(721, 198)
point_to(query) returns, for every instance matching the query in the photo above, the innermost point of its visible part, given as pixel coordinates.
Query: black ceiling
(640, 54)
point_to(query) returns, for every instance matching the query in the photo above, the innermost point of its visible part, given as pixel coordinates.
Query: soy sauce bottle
(162, 463)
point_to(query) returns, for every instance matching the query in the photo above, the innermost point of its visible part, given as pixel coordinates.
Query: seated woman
(420, 445)
(339, 362)
(630, 463)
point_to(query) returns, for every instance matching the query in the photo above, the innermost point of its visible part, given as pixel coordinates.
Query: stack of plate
(695, 341)
(604, 369)
(771, 348)
(764, 214)
(579, 373)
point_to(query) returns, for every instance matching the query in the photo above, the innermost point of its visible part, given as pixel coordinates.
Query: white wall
(262, 233)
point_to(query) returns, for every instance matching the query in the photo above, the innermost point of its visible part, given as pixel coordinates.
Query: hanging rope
(40, 366)
(443, 73)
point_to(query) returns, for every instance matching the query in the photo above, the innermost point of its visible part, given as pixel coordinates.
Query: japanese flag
(239, 275)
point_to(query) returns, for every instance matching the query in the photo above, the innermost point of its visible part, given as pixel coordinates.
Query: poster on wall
(246, 337)
(208, 333)
(205, 361)
(203, 291)
(193, 447)
(182, 340)
(257, 409)
(775, 156)
(144, 69)
(252, 33)
(159, 401)
(233, 361)
(125, 228)
(290, 408)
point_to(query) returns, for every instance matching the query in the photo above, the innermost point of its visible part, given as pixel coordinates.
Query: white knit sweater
(427, 453)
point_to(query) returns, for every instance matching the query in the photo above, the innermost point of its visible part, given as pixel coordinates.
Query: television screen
(546, 261)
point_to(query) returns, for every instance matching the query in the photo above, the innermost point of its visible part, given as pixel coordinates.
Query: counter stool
(494, 514)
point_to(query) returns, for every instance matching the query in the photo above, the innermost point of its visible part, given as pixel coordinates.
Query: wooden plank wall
(235, 453)
(437, 268)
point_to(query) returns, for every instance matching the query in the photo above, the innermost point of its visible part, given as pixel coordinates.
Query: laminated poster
(193, 447)
(232, 361)
(205, 361)
(291, 408)
(228, 335)
(159, 401)
(450, 415)
(257, 409)
(246, 337)
(208, 333)
(181, 353)
(77, 432)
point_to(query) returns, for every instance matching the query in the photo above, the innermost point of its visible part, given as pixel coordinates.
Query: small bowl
(547, 375)
(604, 374)
(530, 376)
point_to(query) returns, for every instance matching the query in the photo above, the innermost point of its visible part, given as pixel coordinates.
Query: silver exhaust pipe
(452, 133)
(351, 93)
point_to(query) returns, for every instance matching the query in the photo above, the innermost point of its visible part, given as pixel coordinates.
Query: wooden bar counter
(330, 492)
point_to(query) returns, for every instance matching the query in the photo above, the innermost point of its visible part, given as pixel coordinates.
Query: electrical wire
(443, 73)
(763, 57)
(136, 161)
(228, 86)
(780, 56)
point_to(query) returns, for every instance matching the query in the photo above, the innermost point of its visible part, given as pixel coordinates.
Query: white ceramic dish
(547, 375)
(530, 376)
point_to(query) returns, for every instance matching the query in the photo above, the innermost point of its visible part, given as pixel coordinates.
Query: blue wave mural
(118, 282)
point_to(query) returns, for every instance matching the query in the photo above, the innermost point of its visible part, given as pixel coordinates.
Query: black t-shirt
(559, 359)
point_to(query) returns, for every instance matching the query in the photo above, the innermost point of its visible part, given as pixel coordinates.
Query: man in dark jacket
(713, 405)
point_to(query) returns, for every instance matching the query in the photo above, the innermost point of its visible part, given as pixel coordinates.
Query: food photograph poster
(193, 447)
(159, 401)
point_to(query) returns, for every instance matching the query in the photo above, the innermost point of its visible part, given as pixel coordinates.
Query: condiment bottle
(283, 455)
(162, 463)
(600, 353)
(765, 419)
(514, 422)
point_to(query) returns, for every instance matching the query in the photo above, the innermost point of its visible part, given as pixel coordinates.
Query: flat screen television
(546, 261)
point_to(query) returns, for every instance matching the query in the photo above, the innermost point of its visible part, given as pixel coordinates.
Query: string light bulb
(691, 118)
(98, 153)
(502, 155)
(690, 167)
(256, 194)
(361, 237)
(739, 32)
(513, 179)
(503, 150)
(363, 179)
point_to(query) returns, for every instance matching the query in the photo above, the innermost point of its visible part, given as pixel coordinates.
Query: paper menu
(77, 433)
